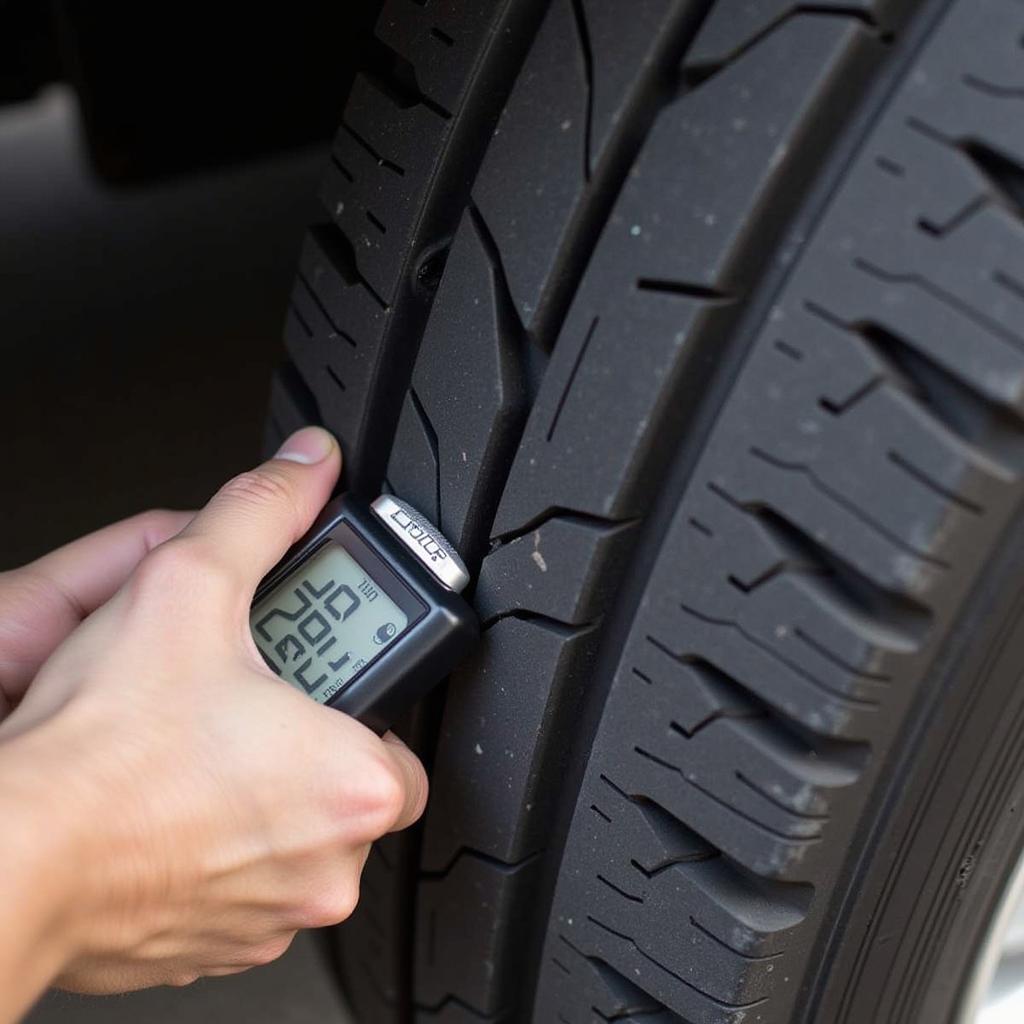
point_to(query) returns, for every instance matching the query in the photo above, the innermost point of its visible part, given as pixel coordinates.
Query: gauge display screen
(325, 622)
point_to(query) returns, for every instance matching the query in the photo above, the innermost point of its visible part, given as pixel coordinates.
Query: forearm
(34, 889)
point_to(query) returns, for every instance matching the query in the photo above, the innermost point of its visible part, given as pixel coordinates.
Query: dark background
(157, 165)
(138, 328)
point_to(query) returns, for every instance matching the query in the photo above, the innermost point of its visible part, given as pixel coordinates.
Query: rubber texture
(695, 326)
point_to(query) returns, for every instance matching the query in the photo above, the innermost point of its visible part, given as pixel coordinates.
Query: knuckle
(159, 522)
(176, 562)
(336, 904)
(384, 794)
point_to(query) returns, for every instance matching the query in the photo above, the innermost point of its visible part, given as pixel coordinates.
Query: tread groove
(992, 89)
(467, 853)
(431, 434)
(563, 398)
(737, 701)
(695, 75)
(863, 703)
(300, 319)
(788, 837)
(685, 289)
(653, 89)
(583, 35)
(992, 429)
(568, 515)
(890, 619)
(628, 896)
(334, 376)
(339, 250)
(987, 324)
(725, 1005)
(750, 958)
(957, 220)
(778, 803)
(797, 467)
(1004, 175)
(565, 629)
(335, 328)
(898, 459)
(399, 83)
(375, 155)
(342, 169)
(633, 1001)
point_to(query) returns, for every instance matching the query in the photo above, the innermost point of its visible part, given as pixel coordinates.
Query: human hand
(42, 602)
(202, 810)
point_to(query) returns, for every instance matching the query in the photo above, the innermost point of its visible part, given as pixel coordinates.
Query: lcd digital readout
(325, 622)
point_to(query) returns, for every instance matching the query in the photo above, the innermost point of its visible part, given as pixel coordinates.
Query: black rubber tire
(697, 326)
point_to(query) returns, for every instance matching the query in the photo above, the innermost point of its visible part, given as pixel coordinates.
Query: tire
(697, 327)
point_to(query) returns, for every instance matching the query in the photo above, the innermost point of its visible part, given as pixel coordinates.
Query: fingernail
(308, 446)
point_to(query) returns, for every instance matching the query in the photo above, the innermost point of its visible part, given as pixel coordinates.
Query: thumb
(254, 518)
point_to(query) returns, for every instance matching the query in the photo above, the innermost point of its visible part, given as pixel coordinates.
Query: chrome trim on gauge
(423, 539)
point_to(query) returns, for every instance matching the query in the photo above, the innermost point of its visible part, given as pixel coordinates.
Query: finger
(254, 518)
(41, 603)
(87, 572)
(415, 781)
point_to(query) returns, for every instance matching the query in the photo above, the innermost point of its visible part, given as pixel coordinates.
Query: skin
(170, 808)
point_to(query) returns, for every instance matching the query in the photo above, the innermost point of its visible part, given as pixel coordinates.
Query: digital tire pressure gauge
(364, 614)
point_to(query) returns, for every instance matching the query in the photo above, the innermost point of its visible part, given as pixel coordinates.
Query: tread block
(413, 467)
(468, 387)
(591, 65)
(395, 129)
(562, 570)
(463, 956)
(369, 956)
(768, 815)
(490, 795)
(608, 993)
(333, 339)
(619, 49)
(939, 201)
(686, 900)
(734, 25)
(574, 454)
(388, 151)
(439, 41)
(542, 139)
(400, 171)
(854, 484)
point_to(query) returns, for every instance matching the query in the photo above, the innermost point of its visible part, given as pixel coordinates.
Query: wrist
(37, 857)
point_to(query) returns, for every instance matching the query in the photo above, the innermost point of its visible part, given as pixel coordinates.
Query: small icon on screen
(384, 633)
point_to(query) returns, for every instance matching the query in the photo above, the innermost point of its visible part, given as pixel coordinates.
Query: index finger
(255, 517)
(41, 603)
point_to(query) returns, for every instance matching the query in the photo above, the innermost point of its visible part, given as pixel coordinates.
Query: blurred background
(157, 168)
(140, 325)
